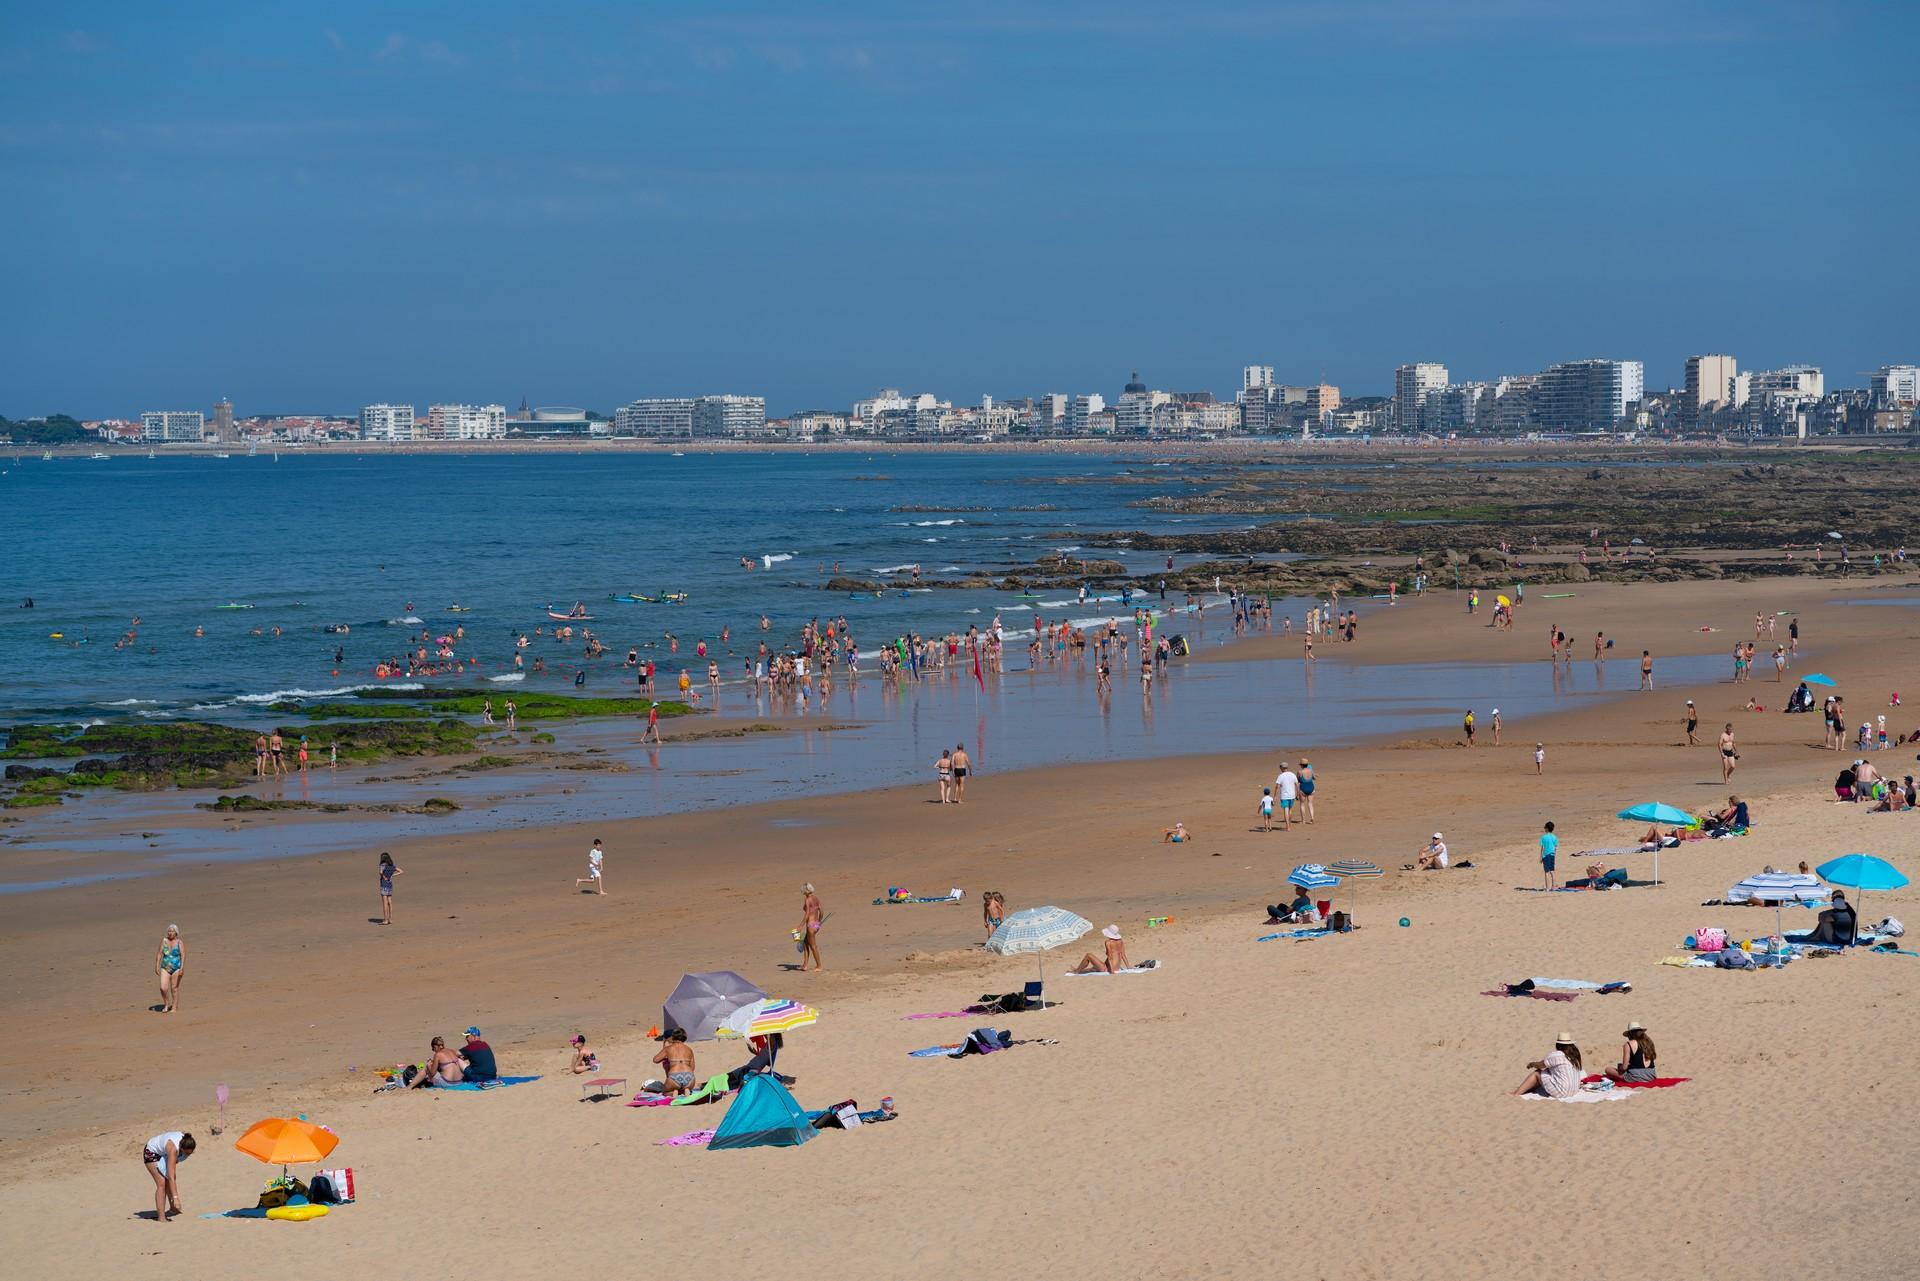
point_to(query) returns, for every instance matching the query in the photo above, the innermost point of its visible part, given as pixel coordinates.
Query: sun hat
(1112, 931)
(1565, 1038)
(1634, 1027)
(1436, 836)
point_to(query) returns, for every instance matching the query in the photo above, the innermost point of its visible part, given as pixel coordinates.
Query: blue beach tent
(762, 1115)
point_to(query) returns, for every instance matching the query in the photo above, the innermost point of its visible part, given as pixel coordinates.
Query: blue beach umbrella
(1862, 872)
(1819, 678)
(1037, 930)
(1311, 876)
(1656, 812)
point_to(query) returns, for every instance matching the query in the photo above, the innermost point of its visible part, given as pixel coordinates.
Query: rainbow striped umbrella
(764, 1018)
(1350, 869)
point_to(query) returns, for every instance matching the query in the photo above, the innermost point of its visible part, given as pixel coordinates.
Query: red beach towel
(1658, 1082)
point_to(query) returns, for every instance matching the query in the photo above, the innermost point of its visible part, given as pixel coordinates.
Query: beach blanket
(954, 897)
(1294, 934)
(1538, 996)
(948, 1014)
(647, 1100)
(499, 1083)
(934, 1052)
(1131, 969)
(692, 1139)
(1584, 985)
(1585, 1096)
(1658, 1082)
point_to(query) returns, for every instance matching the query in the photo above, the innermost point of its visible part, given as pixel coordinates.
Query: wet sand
(1186, 1120)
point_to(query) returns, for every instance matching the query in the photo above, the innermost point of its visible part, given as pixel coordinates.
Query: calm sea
(385, 545)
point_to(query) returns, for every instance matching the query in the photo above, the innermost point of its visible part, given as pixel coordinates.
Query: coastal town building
(172, 425)
(1411, 386)
(466, 422)
(1713, 383)
(1587, 395)
(223, 429)
(729, 415)
(655, 416)
(386, 422)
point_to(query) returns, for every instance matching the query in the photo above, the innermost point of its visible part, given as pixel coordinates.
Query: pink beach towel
(695, 1139)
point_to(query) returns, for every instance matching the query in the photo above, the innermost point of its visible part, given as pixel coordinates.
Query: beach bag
(1709, 938)
(1733, 958)
(331, 1187)
(1890, 928)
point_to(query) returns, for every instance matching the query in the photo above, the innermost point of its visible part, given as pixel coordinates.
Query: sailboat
(46, 456)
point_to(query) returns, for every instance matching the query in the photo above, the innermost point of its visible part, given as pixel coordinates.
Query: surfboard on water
(570, 618)
(231, 605)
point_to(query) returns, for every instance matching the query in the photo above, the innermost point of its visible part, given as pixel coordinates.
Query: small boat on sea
(223, 455)
(100, 458)
(569, 618)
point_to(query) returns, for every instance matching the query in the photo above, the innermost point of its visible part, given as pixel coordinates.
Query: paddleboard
(570, 618)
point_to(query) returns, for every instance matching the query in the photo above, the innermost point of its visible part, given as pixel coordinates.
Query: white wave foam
(509, 678)
(279, 694)
(891, 569)
(133, 702)
(409, 621)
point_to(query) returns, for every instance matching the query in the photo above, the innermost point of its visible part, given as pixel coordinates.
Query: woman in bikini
(442, 1068)
(810, 919)
(169, 965)
(676, 1056)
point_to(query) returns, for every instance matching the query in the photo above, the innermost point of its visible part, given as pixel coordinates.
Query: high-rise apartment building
(1256, 376)
(386, 422)
(1711, 382)
(1587, 395)
(1049, 412)
(172, 425)
(466, 422)
(1893, 385)
(1795, 382)
(658, 416)
(1081, 410)
(1411, 386)
(717, 416)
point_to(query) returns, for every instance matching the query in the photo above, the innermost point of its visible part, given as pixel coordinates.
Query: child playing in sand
(584, 1060)
(1177, 834)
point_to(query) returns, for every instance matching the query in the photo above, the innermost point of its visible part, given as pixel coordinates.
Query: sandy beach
(1336, 1106)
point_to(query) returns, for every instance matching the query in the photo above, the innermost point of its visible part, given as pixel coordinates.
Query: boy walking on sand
(596, 860)
(1539, 757)
(1266, 809)
(1549, 846)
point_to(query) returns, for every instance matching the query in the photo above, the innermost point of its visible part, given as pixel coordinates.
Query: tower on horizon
(223, 429)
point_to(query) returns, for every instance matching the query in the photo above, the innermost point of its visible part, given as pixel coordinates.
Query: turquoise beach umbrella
(1862, 872)
(1655, 812)
(1818, 678)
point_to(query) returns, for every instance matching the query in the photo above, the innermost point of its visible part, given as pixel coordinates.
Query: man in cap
(1434, 857)
(478, 1057)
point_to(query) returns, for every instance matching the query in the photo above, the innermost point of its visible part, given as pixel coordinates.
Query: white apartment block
(1896, 385)
(659, 416)
(466, 422)
(386, 422)
(1411, 385)
(172, 424)
(1081, 411)
(724, 416)
(1252, 376)
(1795, 382)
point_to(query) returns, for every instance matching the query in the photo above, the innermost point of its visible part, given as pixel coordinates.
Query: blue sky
(313, 207)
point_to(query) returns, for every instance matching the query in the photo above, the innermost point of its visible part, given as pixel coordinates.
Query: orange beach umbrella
(284, 1141)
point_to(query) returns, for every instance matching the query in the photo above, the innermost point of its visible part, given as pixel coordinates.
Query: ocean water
(386, 544)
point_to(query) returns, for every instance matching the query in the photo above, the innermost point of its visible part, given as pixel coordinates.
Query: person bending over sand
(1113, 962)
(676, 1056)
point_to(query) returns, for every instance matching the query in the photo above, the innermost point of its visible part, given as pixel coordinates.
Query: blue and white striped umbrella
(1312, 876)
(1037, 929)
(1349, 868)
(1779, 887)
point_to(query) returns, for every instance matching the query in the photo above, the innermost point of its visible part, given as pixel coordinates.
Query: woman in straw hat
(1636, 1058)
(1558, 1075)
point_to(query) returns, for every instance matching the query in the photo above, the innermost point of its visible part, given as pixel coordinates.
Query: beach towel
(499, 1083)
(1294, 934)
(948, 1014)
(1538, 996)
(954, 897)
(1131, 969)
(1585, 1096)
(692, 1139)
(1658, 1082)
(934, 1052)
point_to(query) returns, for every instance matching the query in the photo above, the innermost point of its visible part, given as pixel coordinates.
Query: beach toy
(297, 1213)
(1155, 922)
(1690, 943)
(1404, 922)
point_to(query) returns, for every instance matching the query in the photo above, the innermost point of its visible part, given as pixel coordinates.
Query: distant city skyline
(309, 212)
